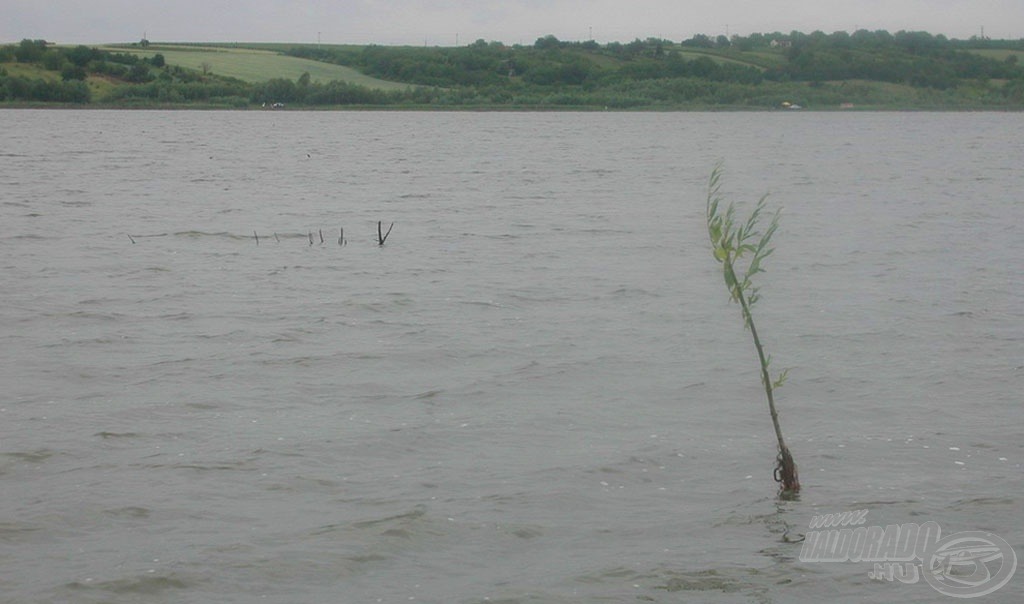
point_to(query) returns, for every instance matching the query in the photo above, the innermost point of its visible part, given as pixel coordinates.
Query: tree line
(913, 58)
(760, 70)
(748, 70)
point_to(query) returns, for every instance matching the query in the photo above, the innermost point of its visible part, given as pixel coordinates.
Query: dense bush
(43, 91)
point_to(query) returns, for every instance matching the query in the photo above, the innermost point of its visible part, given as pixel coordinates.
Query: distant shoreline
(499, 109)
(865, 71)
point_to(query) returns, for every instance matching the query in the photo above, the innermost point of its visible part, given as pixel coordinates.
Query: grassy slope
(760, 60)
(1000, 55)
(98, 85)
(32, 71)
(254, 65)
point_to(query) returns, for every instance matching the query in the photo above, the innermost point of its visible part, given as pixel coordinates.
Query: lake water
(535, 391)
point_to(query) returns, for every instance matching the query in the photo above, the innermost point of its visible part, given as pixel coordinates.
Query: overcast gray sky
(447, 22)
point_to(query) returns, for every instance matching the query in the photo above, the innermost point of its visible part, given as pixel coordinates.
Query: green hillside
(252, 65)
(863, 70)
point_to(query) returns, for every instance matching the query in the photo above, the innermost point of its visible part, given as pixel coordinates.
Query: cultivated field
(254, 66)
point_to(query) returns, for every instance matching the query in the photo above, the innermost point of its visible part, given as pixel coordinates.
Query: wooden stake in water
(382, 238)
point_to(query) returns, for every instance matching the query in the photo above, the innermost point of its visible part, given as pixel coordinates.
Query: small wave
(754, 582)
(37, 456)
(592, 171)
(217, 336)
(145, 585)
(634, 291)
(705, 580)
(416, 513)
(605, 231)
(10, 532)
(484, 303)
(129, 512)
(173, 362)
(84, 314)
(233, 465)
(971, 504)
(886, 502)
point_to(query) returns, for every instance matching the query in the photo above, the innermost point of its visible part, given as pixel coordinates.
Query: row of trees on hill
(758, 70)
(548, 63)
(913, 58)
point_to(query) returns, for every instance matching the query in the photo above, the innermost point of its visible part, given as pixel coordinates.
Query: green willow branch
(731, 243)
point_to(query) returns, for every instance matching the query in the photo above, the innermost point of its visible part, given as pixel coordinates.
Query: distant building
(776, 43)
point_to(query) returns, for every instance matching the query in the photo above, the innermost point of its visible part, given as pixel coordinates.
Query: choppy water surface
(534, 392)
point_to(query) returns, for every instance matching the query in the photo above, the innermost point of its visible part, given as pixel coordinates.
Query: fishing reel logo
(959, 565)
(968, 564)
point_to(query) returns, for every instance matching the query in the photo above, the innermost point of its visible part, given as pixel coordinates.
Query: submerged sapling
(734, 241)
